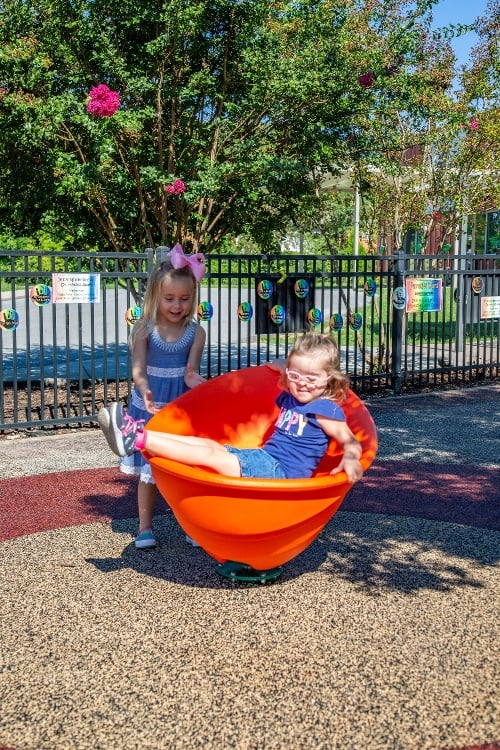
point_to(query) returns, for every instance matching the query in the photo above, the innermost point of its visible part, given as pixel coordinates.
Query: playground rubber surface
(382, 635)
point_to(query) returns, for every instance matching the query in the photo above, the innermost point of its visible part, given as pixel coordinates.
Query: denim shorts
(255, 462)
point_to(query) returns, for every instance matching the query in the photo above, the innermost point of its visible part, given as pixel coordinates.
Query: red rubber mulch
(468, 495)
(71, 498)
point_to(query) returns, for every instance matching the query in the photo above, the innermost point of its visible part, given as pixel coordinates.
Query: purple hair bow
(196, 262)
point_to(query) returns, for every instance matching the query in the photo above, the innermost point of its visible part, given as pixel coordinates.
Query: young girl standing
(310, 416)
(166, 346)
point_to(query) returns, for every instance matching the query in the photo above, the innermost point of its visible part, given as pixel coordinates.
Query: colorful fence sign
(76, 287)
(424, 295)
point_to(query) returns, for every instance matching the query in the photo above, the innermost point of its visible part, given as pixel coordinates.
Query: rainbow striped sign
(424, 295)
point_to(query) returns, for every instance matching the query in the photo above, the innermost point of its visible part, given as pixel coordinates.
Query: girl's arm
(340, 432)
(139, 373)
(192, 376)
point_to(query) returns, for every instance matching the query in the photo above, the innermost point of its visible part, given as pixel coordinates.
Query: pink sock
(140, 440)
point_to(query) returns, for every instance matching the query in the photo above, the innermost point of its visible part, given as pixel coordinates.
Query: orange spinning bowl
(261, 523)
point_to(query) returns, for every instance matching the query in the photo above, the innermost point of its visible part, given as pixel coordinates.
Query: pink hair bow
(196, 262)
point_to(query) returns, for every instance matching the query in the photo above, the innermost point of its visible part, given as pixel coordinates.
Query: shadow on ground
(376, 553)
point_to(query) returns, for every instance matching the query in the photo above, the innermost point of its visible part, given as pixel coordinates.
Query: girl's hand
(149, 403)
(351, 448)
(192, 378)
(352, 468)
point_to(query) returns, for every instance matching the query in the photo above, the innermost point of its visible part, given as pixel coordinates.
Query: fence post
(463, 263)
(398, 304)
(162, 252)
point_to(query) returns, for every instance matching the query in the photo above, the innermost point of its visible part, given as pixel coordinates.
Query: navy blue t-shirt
(298, 442)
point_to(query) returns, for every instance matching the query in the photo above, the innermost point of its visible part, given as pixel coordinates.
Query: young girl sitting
(309, 417)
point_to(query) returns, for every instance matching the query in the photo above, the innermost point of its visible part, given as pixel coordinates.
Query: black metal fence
(403, 322)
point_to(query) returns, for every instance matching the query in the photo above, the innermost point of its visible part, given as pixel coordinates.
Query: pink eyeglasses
(311, 381)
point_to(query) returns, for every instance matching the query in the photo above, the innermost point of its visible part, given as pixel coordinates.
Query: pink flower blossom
(366, 80)
(103, 102)
(473, 124)
(177, 188)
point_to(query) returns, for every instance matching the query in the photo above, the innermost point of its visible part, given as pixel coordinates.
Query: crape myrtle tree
(126, 124)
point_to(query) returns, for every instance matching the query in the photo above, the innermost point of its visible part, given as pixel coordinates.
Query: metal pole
(462, 298)
(398, 303)
(356, 218)
(161, 253)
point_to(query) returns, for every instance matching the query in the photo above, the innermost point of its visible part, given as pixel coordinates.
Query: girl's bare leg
(146, 498)
(192, 440)
(193, 450)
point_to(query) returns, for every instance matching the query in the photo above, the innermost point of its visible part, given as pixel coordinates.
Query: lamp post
(356, 218)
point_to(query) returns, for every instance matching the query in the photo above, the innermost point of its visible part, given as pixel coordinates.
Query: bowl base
(236, 571)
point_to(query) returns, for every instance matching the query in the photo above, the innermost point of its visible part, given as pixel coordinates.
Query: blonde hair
(151, 301)
(322, 349)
